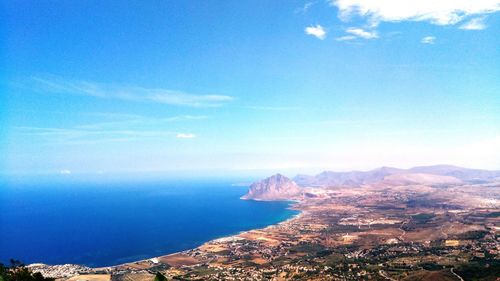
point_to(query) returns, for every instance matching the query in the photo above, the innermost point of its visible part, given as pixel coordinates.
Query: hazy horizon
(234, 177)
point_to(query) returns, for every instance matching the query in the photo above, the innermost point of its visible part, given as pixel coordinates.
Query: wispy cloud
(185, 136)
(78, 136)
(110, 128)
(439, 12)
(59, 85)
(274, 108)
(428, 40)
(317, 31)
(305, 8)
(346, 38)
(128, 120)
(474, 24)
(359, 32)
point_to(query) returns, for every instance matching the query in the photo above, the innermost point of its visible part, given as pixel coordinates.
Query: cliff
(274, 188)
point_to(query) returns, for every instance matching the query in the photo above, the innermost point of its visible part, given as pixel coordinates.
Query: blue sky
(97, 87)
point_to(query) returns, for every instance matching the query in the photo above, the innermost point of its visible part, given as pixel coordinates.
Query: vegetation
(472, 235)
(17, 271)
(309, 248)
(422, 218)
(493, 215)
(431, 266)
(159, 277)
(480, 270)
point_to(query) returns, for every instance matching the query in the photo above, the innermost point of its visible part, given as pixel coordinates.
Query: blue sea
(107, 224)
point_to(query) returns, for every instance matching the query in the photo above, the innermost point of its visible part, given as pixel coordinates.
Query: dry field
(177, 260)
(91, 277)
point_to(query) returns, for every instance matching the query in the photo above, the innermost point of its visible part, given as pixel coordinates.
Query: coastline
(69, 270)
(337, 234)
(168, 217)
(220, 239)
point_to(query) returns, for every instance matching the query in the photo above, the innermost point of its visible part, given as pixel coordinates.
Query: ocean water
(109, 224)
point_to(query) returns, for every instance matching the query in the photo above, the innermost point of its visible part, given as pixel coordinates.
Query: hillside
(419, 178)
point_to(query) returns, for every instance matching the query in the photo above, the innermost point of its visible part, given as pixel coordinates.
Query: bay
(107, 224)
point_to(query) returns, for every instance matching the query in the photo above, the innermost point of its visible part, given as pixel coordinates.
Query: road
(383, 274)
(458, 276)
(403, 232)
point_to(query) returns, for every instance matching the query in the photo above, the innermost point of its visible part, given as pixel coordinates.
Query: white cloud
(474, 24)
(359, 32)
(185, 136)
(428, 40)
(55, 84)
(318, 31)
(440, 12)
(346, 38)
(65, 172)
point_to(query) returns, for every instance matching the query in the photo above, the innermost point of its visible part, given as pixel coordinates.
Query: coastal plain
(401, 226)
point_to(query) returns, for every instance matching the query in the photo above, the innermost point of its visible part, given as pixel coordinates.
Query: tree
(159, 277)
(17, 271)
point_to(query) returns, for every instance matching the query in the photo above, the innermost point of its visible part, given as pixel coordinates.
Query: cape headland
(274, 188)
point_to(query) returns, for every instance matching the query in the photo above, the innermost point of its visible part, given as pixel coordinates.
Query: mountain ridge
(358, 178)
(279, 187)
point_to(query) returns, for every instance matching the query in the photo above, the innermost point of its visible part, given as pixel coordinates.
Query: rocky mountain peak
(276, 187)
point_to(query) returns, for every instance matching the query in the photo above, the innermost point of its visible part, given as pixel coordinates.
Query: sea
(104, 224)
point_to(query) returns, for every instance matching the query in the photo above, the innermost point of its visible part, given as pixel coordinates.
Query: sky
(247, 87)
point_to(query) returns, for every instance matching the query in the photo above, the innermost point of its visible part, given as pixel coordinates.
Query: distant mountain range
(417, 179)
(356, 178)
(279, 187)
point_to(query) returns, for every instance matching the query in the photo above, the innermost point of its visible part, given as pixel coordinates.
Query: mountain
(419, 178)
(358, 178)
(274, 188)
(353, 178)
(457, 172)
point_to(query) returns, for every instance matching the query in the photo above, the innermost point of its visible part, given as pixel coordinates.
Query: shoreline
(228, 237)
(70, 269)
(337, 234)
